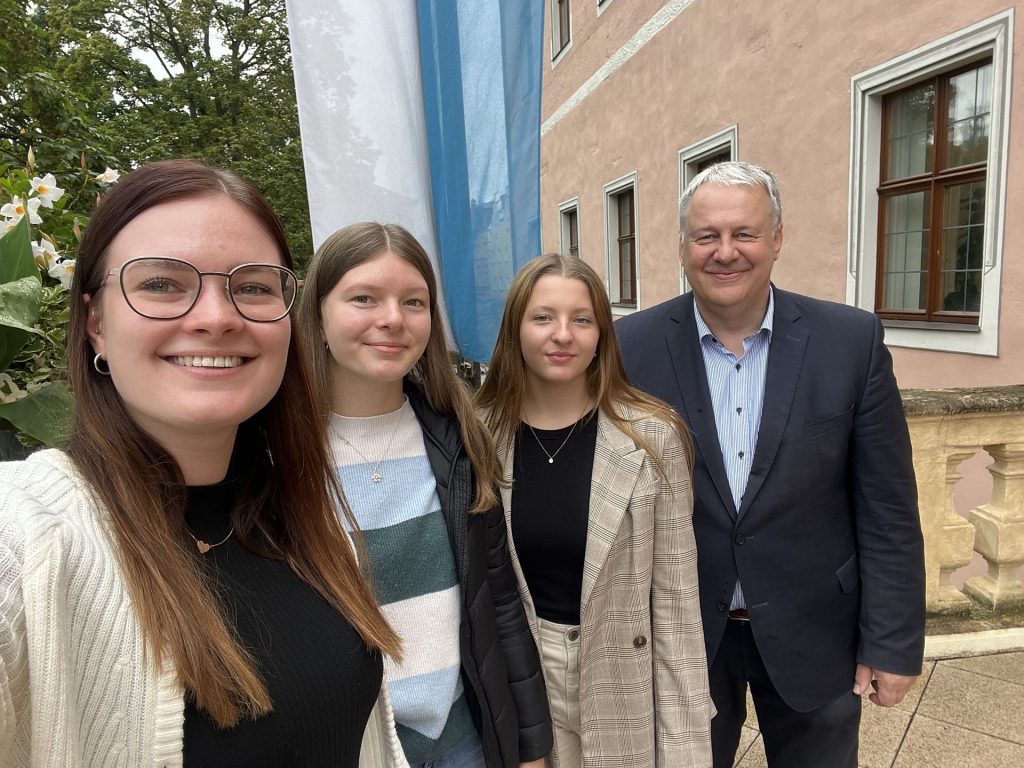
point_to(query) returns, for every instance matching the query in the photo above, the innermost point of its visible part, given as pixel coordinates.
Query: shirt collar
(703, 332)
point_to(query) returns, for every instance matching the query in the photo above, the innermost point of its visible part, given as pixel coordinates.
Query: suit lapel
(688, 364)
(785, 361)
(617, 463)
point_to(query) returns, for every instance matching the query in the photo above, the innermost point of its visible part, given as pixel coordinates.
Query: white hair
(734, 174)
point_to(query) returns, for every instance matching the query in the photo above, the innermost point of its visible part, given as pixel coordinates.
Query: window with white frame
(621, 239)
(568, 215)
(717, 148)
(560, 27)
(927, 197)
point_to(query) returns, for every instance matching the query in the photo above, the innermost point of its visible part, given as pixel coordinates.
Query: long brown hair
(503, 389)
(286, 492)
(445, 392)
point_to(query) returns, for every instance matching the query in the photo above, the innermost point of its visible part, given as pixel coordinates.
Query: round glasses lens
(262, 292)
(160, 288)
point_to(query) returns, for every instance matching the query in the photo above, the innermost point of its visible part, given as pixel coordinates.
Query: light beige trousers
(560, 658)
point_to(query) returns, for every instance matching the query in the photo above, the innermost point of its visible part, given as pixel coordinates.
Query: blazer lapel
(617, 463)
(785, 360)
(698, 412)
(506, 455)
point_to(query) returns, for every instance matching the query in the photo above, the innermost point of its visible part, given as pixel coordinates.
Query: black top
(550, 513)
(500, 666)
(322, 679)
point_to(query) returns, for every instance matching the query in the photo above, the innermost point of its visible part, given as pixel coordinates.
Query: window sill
(926, 326)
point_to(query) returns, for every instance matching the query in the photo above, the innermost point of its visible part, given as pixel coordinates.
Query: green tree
(150, 79)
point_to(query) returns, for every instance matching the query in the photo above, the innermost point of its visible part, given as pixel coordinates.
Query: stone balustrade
(947, 427)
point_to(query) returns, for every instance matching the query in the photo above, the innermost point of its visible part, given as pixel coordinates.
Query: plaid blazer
(644, 697)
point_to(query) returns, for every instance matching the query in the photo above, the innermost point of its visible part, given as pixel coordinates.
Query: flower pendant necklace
(375, 476)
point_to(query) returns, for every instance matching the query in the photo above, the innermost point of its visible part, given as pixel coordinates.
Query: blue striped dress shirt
(736, 385)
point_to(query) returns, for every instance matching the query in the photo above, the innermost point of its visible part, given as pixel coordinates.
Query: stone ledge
(946, 402)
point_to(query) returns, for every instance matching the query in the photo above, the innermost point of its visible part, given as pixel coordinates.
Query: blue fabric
(736, 385)
(469, 754)
(481, 63)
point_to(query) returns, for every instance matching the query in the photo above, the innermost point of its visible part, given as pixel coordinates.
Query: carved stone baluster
(948, 537)
(957, 541)
(1000, 531)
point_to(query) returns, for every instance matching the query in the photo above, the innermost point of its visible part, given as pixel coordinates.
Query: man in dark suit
(809, 544)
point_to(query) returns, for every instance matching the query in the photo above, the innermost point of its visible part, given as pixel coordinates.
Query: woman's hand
(533, 764)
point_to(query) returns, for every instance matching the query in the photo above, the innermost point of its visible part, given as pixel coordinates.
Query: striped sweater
(413, 573)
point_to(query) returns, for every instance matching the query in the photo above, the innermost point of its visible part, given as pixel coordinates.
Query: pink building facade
(890, 128)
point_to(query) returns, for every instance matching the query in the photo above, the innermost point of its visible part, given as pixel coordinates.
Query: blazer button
(740, 539)
(572, 635)
(639, 641)
(723, 607)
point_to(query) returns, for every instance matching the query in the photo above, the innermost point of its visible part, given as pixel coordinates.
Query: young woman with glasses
(419, 472)
(175, 587)
(599, 508)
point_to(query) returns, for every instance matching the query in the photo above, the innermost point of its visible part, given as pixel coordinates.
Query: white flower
(45, 254)
(17, 208)
(63, 271)
(47, 189)
(109, 176)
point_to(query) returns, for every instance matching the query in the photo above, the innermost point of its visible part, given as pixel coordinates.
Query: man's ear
(777, 243)
(94, 322)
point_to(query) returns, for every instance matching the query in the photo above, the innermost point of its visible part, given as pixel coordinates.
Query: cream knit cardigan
(75, 688)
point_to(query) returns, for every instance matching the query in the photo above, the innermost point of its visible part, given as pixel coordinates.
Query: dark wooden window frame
(936, 182)
(623, 238)
(561, 7)
(572, 219)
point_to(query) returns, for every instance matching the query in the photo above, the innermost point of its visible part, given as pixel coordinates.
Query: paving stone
(747, 737)
(1003, 666)
(751, 712)
(975, 702)
(754, 757)
(881, 733)
(913, 697)
(934, 744)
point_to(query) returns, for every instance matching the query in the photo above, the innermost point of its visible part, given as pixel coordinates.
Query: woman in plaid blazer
(598, 507)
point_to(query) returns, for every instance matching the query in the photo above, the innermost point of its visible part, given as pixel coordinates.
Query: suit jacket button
(572, 635)
(740, 539)
(723, 607)
(639, 641)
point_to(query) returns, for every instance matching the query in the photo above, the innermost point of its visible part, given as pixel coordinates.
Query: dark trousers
(822, 738)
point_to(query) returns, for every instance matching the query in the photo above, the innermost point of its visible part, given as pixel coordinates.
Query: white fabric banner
(364, 141)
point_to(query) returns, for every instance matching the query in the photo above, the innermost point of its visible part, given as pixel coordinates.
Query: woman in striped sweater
(420, 473)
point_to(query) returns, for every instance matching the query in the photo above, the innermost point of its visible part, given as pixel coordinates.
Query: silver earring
(96, 364)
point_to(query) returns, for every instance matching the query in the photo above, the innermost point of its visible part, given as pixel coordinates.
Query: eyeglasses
(166, 289)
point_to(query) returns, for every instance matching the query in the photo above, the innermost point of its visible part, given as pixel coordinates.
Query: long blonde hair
(502, 392)
(289, 502)
(446, 393)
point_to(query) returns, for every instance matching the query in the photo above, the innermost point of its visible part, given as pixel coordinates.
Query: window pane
(627, 277)
(905, 261)
(963, 237)
(911, 131)
(969, 115)
(625, 205)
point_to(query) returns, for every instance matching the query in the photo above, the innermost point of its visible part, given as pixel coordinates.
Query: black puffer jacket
(500, 668)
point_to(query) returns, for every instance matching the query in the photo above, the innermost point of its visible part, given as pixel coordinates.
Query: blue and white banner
(427, 114)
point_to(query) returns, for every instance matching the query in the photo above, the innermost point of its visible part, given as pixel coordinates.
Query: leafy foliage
(128, 83)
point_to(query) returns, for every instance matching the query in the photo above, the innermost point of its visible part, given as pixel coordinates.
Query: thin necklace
(203, 547)
(551, 456)
(375, 474)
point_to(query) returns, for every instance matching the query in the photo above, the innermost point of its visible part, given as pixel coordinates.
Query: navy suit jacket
(827, 540)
